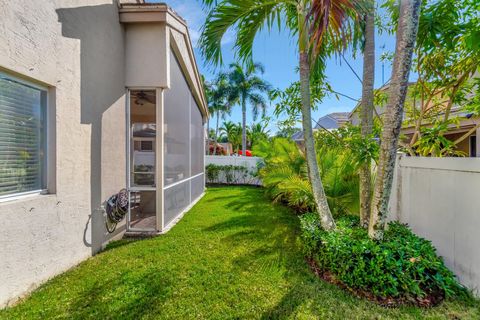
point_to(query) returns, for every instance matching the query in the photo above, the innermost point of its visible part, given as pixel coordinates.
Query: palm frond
(259, 104)
(246, 17)
(335, 20)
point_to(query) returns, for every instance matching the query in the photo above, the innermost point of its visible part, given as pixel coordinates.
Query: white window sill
(23, 196)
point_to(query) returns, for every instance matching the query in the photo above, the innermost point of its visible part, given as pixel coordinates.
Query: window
(146, 145)
(473, 146)
(22, 137)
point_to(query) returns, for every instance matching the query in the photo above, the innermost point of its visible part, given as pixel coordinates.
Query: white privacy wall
(439, 198)
(251, 163)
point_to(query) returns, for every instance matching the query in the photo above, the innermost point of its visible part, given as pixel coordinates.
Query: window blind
(22, 137)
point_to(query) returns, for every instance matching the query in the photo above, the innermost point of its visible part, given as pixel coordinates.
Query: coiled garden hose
(116, 208)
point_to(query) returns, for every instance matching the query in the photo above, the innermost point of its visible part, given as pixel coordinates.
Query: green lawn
(233, 256)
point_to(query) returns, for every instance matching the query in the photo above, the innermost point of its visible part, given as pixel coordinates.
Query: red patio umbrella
(247, 152)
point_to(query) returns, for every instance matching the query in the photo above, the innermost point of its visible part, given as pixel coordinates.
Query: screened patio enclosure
(166, 153)
(166, 112)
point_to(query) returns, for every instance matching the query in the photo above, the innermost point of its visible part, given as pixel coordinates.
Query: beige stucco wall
(438, 198)
(76, 48)
(147, 60)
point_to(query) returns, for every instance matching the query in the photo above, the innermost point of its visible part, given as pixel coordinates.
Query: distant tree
(257, 132)
(287, 127)
(220, 101)
(248, 87)
(288, 104)
(233, 133)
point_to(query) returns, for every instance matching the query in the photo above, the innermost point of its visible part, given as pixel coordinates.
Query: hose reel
(116, 208)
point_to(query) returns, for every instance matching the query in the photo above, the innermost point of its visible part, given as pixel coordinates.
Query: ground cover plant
(235, 255)
(402, 268)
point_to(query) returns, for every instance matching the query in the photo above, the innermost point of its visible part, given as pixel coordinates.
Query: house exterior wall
(463, 146)
(438, 198)
(147, 60)
(76, 49)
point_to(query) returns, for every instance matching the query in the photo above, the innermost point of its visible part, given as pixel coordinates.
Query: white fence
(248, 176)
(439, 198)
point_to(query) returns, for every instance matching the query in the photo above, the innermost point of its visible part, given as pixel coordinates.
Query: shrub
(212, 172)
(402, 265)
(232, 174)
(285, 176)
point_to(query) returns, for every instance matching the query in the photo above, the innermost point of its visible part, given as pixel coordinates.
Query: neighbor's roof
(297, 136)
(332, 120)
(339, 116)
(329, 121)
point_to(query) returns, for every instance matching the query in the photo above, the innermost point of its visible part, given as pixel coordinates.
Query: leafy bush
(232, 174)
(402, 265)
(212, 172)
(284, 175)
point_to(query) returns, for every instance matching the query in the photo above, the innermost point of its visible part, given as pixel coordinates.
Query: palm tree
(312, 22)
(257, 132)
(219, 101)
(392, 121)
(367, 110)
(247, 86)
(233, 132)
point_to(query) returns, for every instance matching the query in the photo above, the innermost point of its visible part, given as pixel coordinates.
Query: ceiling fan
(141, 97)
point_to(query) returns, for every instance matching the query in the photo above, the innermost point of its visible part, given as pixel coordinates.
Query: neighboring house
(333, 120)
(330, 121)
(227, 146)
(466, 124)
(93, 98)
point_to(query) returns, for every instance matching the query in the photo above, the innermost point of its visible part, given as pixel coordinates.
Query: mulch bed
(429, 301)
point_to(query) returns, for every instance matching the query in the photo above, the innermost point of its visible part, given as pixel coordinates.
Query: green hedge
(402, 265)
(232, 174)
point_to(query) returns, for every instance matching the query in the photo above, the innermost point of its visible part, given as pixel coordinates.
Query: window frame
(46, 134)
(472, 145)
(151, 147)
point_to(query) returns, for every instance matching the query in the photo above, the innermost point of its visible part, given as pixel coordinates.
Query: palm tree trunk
(321, 203)
(216, 134)
(406, 36)
(367, 112)
(244, 127)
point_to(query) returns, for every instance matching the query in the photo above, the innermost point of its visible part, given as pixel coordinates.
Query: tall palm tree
(247, 87)
(311, 22)
(406, 35)
(367, 110)
(219, 101)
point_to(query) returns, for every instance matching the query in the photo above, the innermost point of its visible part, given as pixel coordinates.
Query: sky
(278, 53)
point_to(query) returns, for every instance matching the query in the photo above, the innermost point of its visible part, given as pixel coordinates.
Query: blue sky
(277, 52)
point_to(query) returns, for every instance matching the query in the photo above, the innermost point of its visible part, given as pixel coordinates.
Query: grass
(233, 256)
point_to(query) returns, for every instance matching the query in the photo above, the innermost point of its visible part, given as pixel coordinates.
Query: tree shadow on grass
(133, 298)
(270, 233)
